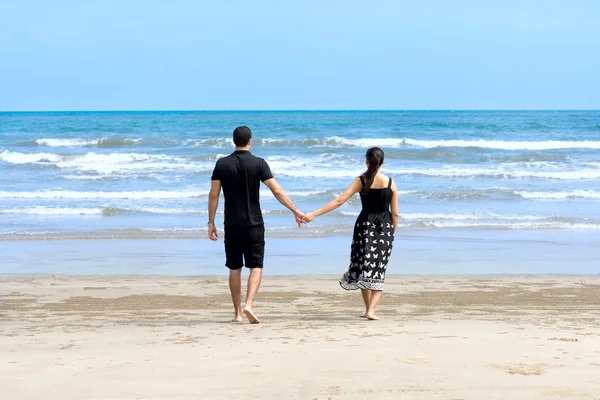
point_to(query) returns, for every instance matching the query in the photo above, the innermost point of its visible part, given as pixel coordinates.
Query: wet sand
(443, 337)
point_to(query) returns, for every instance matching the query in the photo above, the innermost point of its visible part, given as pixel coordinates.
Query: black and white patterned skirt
(372, 244)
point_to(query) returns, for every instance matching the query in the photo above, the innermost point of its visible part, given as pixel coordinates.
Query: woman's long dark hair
(374, 158)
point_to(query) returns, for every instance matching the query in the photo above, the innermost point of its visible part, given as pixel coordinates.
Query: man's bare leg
(366, 295)
(235, 287)
(253, 285)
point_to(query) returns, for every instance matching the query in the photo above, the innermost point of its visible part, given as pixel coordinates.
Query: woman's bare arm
(354, 188)
(394, 205)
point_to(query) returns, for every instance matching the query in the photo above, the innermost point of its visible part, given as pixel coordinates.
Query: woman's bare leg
(366, 295)
(375, 296)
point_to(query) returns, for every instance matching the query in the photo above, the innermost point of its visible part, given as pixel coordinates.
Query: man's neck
(247, 148)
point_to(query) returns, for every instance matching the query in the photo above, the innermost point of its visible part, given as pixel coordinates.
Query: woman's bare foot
(371, 317)
(364, 314)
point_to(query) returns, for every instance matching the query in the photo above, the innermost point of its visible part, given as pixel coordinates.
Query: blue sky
(207, 55)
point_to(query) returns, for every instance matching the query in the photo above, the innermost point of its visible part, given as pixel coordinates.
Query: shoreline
(533, 276)
(464, 253)
(291, 233)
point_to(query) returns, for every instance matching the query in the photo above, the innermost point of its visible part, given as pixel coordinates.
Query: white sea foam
(425, 217)
(503, 173)
(541, 225)
(25, 158)
(22, 158)
(164, 229)
(300, 193)
(507, 145)
(495, 221)
(201, 194)
(135, 195)
(110, 163)
(78, 142)
(100, 211)
(219, 142)
(481, 143)
(337, 166)
(478, 217)
(336, 141)
(158, 210)
(572, 194)
(54, 142)
(310, 170)
(333, 166)
(40, 210)
(87, 177)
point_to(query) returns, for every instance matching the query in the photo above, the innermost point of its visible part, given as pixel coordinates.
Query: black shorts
(245, 243)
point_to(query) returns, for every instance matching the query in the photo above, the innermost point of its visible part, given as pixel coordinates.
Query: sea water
(146, 175)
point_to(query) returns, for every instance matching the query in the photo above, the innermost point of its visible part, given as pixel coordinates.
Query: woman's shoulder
(384, 178)
(388, 180)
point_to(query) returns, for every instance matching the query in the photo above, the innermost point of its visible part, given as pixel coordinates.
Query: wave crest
(326, 142)
(336, 141)
(105, 142)
(131, 195)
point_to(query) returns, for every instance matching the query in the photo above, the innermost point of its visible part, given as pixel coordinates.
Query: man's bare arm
(213, 204)
(280, 195)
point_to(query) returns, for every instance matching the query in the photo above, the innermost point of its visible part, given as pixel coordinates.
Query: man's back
(240, 174)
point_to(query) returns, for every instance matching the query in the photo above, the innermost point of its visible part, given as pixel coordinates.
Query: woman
(373, 232)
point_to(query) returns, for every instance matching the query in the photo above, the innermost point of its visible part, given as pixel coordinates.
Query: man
(240, 174)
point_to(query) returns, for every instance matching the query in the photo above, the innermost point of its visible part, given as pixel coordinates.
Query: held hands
(302, 218)
(310, 217)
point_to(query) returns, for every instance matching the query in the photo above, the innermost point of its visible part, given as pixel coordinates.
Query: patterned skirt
(372, 244)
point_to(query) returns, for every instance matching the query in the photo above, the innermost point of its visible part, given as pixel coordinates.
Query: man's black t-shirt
(240, 174)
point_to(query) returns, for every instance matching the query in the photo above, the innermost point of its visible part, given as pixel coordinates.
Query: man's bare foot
(251, 317)
(371, 317)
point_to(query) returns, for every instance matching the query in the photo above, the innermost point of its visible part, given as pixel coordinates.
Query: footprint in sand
(524, 369)
(443, 337)
(415, 361)
(562, 339)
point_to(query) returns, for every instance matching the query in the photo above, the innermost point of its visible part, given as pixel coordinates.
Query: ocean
(93, 176)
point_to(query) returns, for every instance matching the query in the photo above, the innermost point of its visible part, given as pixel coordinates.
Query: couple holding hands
(239, 176)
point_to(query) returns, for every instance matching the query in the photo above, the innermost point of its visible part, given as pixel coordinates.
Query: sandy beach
(118, 337)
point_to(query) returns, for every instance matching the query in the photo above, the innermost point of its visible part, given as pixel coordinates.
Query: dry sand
(169, 338)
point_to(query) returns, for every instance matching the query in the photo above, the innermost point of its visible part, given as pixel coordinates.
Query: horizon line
(304, 110)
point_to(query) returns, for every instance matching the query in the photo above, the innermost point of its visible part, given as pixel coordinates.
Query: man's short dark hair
(242, 136)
